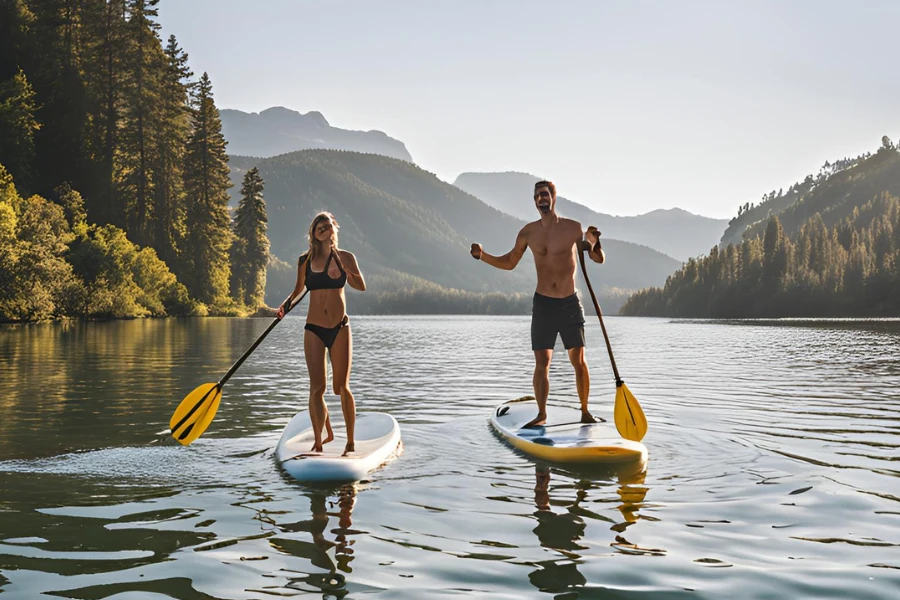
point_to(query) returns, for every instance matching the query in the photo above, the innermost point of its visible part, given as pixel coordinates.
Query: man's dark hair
(546, 184)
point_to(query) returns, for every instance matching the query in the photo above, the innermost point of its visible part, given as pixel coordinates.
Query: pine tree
(17, 128)
(105, 79)
(775, 252)
(207, 272)
(250, 252)
(175, 128)
(54, 67)
(14, 18)
(140, 132)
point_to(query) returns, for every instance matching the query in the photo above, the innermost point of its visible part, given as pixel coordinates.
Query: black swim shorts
(556, 316)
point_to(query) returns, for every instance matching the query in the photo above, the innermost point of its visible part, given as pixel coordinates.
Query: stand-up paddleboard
(563, 439)
(377, 440)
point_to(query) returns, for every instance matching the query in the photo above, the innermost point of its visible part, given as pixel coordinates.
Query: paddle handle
(258, 341)
(599, 316)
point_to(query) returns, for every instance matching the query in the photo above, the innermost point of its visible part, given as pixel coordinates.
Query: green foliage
(17, 126)
(53, 264)
(34, 275)
(207, 270)
(168, 222)
(833, 250)
(122, 280)
(105, 73)
(250, 252)
(73, 205)
(91, 101)
(142, 124)
(812, 274)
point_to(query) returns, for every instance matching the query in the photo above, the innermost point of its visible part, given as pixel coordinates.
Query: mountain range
(279, 130)
(410, 228)
(675, 232)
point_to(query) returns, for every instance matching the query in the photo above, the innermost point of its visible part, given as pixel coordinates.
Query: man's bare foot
(587, 417)
(539, 420)
(350, 447)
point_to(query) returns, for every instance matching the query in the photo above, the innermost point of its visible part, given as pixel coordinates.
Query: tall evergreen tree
(175, 128)
(54, 67)
(14, 19)
(250, 252)
(774, 253)
(140, 133)
(206, 183)
(105, 77)
(17, 128)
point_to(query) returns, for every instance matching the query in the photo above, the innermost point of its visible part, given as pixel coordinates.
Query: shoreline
(268, 312)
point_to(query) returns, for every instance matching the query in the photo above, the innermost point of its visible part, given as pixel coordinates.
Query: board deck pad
(377, 440)
(563, 438)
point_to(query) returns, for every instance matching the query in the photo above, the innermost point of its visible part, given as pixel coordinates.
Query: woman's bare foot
(329, 433)
(316, 448)
(350, 447)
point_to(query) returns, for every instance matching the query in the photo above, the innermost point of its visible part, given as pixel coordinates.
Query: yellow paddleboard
(563, 439)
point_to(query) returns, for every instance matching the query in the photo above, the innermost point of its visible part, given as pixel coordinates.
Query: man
(556, 309)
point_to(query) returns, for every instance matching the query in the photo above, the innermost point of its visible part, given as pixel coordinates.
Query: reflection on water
(331, 549)
(562, 530)
(772, 471)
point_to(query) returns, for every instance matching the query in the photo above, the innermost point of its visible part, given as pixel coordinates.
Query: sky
(628, 106)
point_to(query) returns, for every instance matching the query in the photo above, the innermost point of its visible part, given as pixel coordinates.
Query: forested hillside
(833, 250)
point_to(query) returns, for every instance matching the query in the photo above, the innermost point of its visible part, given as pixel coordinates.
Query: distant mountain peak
(673, 212)
(673, 231)
(667, 211)
(279, 130)
(280, 113)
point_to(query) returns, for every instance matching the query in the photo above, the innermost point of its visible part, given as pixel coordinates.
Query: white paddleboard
(377, 441)
(563, 439)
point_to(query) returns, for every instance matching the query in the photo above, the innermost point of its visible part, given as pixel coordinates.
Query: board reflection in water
(331, 547)
(562, 531)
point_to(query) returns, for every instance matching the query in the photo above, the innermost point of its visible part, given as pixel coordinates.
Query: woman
(323, 271)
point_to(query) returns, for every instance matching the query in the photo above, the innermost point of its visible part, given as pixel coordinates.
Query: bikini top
(322, 280)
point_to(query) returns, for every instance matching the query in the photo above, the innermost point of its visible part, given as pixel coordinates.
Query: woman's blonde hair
(313, 242)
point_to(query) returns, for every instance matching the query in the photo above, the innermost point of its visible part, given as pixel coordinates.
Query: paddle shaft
(258, 341)
(599, 316)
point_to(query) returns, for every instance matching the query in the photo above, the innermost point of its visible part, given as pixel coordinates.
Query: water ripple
(773, 465)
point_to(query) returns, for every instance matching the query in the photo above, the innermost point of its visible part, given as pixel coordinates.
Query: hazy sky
(628, 106)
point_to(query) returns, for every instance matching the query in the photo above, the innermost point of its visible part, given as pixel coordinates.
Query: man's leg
(573, 340)
(582, 382)
(541, 382)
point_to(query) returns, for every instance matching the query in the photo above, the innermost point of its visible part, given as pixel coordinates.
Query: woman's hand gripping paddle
(198, 408)
(630, 420)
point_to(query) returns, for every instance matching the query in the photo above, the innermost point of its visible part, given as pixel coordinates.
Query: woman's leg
(314, 350)
(341, 359)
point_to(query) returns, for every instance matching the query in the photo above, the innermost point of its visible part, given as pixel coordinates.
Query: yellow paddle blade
(195, 413)
(630, 419)
(204, 420)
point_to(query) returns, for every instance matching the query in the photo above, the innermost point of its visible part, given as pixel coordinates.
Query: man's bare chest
(549, 245)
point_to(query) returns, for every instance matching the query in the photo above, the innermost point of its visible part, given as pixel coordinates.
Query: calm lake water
(774, 467)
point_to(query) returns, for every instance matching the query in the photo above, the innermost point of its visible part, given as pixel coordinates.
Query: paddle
(630, 420)
(198, 408)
